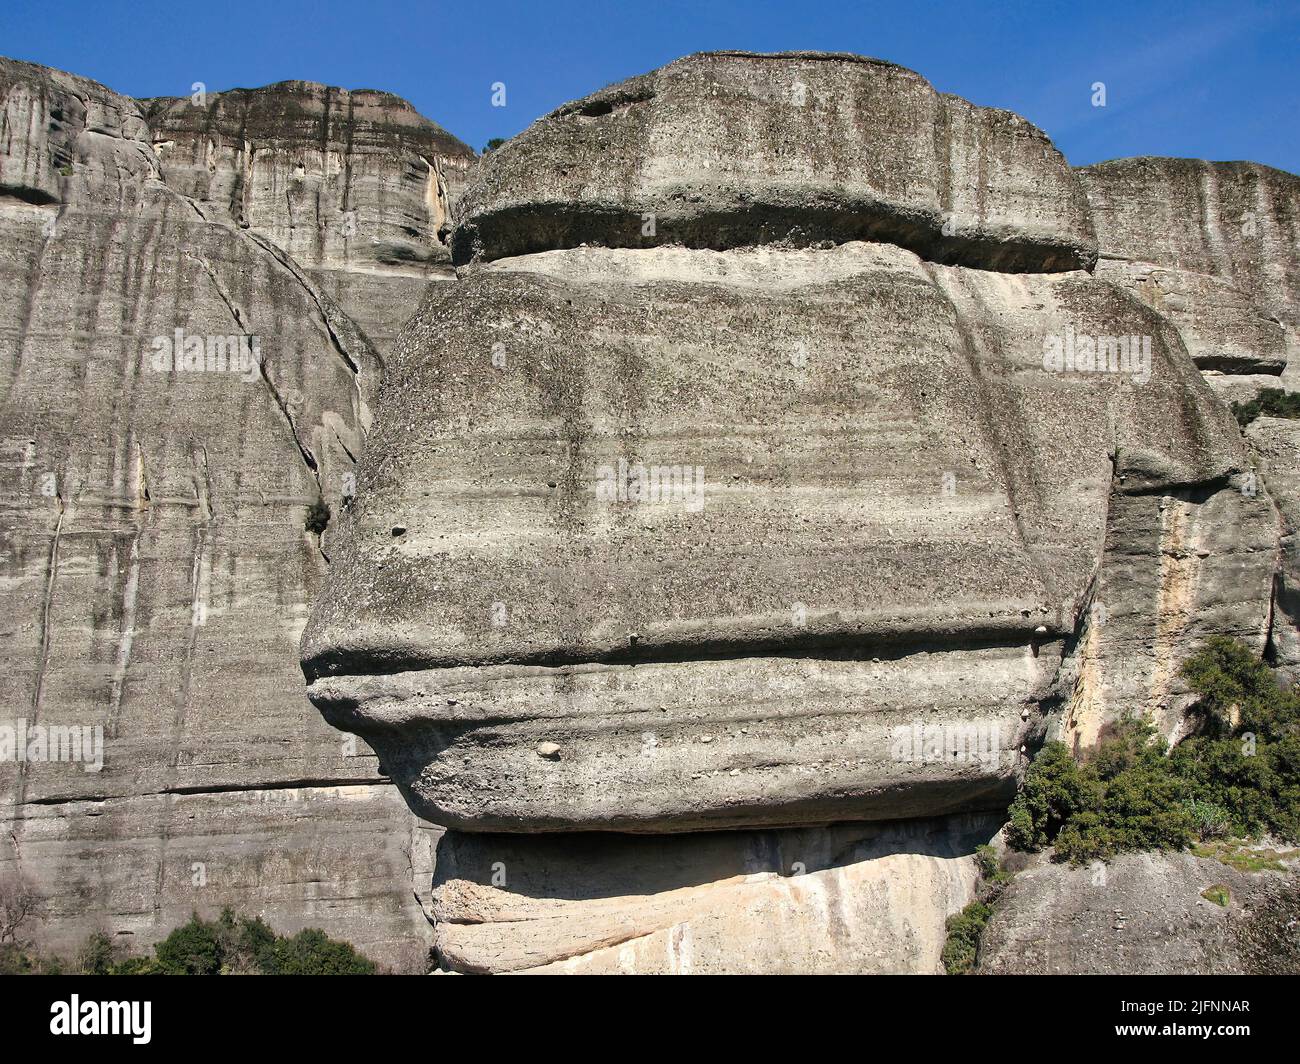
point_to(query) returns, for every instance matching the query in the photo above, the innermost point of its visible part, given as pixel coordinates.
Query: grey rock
(156, 570)
(892, 517)
(356, 186)
(724, 149)
(1215, 247)
(504, 616)
(1141, 914)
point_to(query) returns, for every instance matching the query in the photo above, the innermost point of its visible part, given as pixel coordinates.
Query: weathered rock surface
(774, 461)
(1141, 914)
(723, 149)
(734, 520)
(827, 397)
(1215, 247)
(1275, 443)
(156, 569)
(842, 899)
(356, 186)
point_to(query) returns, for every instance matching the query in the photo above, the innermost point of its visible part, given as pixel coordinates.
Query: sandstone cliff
(179, 390)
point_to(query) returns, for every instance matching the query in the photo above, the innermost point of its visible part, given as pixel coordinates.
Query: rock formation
(1140, 914)
(790, 451)
(179, 389)
(1215, 249)
(1212, 247)
(776, 460)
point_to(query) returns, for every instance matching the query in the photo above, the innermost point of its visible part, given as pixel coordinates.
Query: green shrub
(1233, 682)
(990, 867)
(192, 949)
(1270, 402)
(14, 960)
(1209, 821)
(1241, 775)
(1054, 791)
(312, 952)
(96, 955)
(961, 946)
(138, 966)
(233, 945)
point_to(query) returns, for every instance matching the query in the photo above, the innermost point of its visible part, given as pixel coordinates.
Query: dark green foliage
(493, 144)
(990, 868)
(229, 945)
(233, 945)
(251, 945)
(192, 949)
(1209, 821)
(1241, 775)
(14, 960)
(318, 517)
(138, 966)
(963, 930)
(1271, 402)
(962, 943)
(312, 952)
(1054, 791)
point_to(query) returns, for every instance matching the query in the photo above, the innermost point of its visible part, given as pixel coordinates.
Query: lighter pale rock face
(903, 494)
(848, 898)
(155, 573)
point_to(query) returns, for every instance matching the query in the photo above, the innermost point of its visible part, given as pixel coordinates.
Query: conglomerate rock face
(783, 454)
(1139, 914)
(725, 149)
(774, 461)
(177, 393)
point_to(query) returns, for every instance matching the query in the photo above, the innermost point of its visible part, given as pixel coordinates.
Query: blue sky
(1212, 80)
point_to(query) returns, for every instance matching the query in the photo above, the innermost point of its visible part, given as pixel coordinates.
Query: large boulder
(814, 488)
(894, 514)
(723, 149)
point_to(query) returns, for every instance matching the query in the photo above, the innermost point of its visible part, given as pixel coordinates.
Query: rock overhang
(728, 149)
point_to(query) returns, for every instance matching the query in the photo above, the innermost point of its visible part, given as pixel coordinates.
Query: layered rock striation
(1211, 246)
(179, 392)
(355, 186)
(727, 149)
